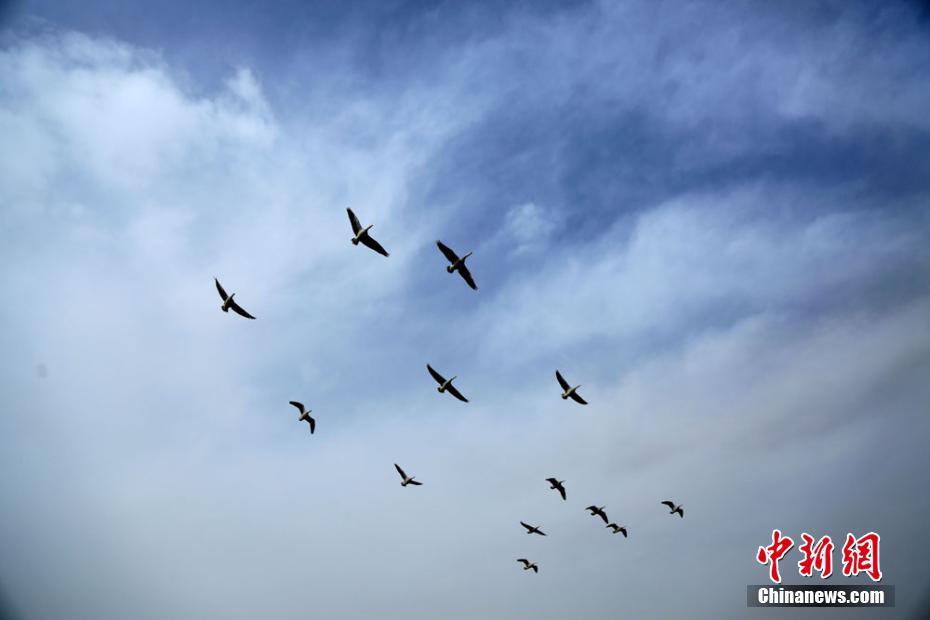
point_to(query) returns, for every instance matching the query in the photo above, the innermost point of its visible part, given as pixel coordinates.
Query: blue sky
(714, 216)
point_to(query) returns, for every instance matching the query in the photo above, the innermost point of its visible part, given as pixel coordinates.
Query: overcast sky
(714, 216)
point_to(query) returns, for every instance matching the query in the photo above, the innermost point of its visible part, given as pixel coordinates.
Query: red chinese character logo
(817, 557)
(860, 555)
(773, 553)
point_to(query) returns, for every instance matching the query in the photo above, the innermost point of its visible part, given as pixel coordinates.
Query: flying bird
(527, 565)
(361, 234)
(557, 485)
(618, 528)
(598, 512)
(568, 391)
(229, 302)
(673, 508)
(445, 385)
(532, 529)
(457, 264)
(406, 479)
(304, 415)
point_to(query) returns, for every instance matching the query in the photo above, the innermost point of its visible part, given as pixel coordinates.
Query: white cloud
(698, 260)
(118, 121)
(527, 227)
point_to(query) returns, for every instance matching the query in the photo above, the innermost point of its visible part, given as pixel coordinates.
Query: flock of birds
(456, 264)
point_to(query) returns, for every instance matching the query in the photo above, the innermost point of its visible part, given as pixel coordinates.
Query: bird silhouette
(304, 415)
(445, 385)
(557, 485)
(618, 528)
(229, 302)
(527, 565)
(673, 508)
(362, 234)
(457, 264)
(532, 529)
(405, 478)
(598, 511)
(568, 391)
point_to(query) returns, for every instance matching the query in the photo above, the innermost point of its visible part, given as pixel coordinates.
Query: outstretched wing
(552, 481)
(400, 471)
(438, 377)
(297, 404)
(535, 568)
(446, 251)
(356, 225)
(451, 389)
(374, 245)
(561, 491)
(578, 399)
(681, 512)
(466, 275)
(238, 310)
(623, 531)
(529, 528)
(526, 563)
(562, 381)
(593, 509)
(602, 515)
(415, 482)
(670, 504)
(312, 423)
(220, 289)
